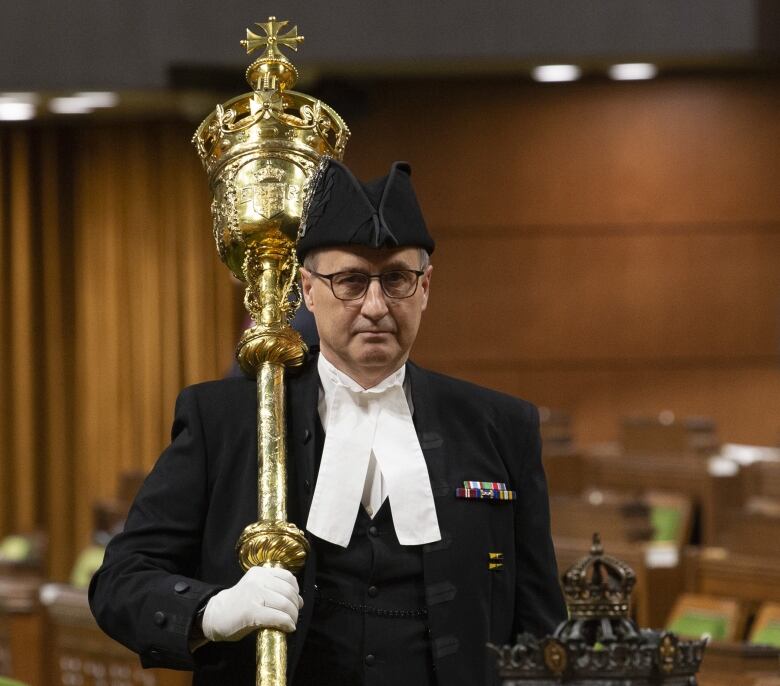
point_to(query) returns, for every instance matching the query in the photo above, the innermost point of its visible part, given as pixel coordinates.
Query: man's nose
(374, 303)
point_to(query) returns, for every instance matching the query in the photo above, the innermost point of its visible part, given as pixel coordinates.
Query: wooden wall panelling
(565, 474)
(670, 151)
(609, 301)
(741, 400)
(602, 248)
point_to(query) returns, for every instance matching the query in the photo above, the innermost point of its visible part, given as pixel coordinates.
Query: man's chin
(377, 356)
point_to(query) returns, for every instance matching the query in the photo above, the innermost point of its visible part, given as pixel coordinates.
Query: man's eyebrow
(397, 264)
(350, 268)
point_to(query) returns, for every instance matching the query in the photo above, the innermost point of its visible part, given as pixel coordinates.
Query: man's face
(369, 338)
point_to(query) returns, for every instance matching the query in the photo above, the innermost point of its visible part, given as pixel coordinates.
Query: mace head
(260, 150)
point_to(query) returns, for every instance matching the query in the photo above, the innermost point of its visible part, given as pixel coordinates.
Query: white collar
(371, 452)
(332, 376)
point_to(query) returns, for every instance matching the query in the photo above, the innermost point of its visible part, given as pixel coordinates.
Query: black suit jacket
(178, 546)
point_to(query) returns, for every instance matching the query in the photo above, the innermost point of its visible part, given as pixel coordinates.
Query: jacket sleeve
(539, 604)
(146, 593)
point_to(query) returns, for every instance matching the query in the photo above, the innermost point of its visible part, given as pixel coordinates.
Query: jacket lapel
(438, 565)
(431, 435)
(303, 442)
(429, 432)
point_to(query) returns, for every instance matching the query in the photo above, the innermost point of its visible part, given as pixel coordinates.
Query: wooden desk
(765, 627)
(22, 635)
(684, 474)
(83, 654)
(739, 664)
(716, 571)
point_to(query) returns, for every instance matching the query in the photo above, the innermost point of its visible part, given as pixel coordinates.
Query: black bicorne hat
(340, 210)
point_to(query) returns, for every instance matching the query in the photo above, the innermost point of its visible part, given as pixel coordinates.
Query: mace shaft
(271, 443)
(271, 646)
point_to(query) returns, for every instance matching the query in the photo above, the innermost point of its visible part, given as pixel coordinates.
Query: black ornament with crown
(599, 645)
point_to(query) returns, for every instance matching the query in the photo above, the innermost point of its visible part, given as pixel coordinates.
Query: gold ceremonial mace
(261, 150)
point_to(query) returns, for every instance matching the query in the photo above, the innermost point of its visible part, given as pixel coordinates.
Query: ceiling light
(83, 103)
(17, 106)
(633, 71)
(69, 105)
(556, 72)
(16, 111)
(98, 98)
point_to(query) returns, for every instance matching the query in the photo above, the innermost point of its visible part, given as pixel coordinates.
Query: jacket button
(181, 587)
(306, 435)
(159, 618)
(370, 660)
(373, 591)
(373, 531)
(307, 486)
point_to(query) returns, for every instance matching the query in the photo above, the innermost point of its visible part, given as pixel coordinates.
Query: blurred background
(600, 177)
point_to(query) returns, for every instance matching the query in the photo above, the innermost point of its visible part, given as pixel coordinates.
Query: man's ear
(306, 284)
(425, 285)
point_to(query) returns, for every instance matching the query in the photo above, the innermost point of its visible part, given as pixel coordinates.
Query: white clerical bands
(363, 426)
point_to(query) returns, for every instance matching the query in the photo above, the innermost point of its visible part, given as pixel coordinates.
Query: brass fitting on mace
(260, 151)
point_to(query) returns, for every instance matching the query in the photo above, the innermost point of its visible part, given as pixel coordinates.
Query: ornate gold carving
(555, 657)
(283, 346)
(270, 268)
(667, 652)
(598, 585)
(272, 542)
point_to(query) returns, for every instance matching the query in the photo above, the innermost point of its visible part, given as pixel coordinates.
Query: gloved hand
(265, 597)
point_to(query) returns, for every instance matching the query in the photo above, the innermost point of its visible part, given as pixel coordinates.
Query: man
(423, 497)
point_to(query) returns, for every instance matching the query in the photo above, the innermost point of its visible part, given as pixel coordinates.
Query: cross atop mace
(272, 39)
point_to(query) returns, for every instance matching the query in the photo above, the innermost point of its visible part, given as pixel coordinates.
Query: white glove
(265, 597)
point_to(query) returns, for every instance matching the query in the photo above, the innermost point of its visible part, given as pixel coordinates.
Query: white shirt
(371, 452)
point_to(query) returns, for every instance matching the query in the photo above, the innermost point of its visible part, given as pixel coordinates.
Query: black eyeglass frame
(329, 278)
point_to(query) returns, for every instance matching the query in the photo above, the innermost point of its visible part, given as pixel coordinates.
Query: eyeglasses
(396, 284)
